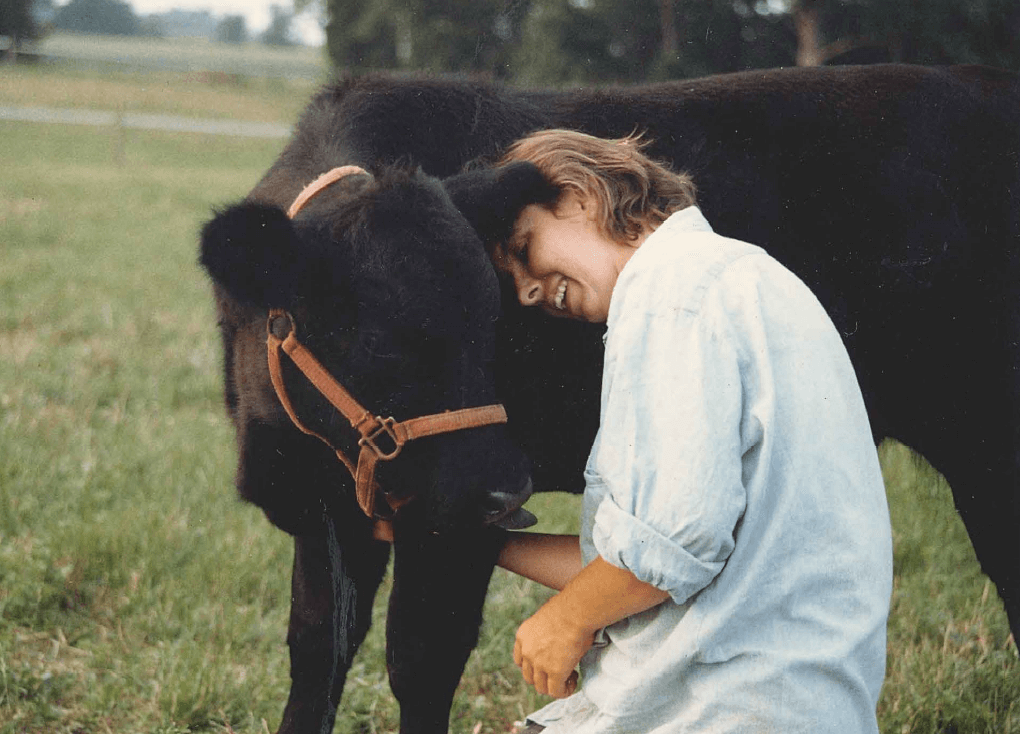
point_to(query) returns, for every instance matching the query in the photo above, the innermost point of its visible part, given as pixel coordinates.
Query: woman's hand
(547, 649)
(551, 643)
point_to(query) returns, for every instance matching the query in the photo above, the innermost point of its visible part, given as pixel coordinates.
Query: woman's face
(563, 262)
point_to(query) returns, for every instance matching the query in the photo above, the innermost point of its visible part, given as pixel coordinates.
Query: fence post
(119, 154)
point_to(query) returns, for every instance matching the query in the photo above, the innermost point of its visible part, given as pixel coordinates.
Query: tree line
(561, 42)
(28, 20)
(574, 41)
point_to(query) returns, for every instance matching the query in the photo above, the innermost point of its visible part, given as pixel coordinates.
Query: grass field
(200, 93)
(198, 55)
(138, 596)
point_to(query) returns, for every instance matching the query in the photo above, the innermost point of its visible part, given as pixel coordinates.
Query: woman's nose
(529, 291)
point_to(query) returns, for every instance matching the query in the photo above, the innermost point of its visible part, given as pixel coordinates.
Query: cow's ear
(251, 250)
(491, 199)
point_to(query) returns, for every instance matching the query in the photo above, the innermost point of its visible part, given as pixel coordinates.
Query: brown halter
(281, 337)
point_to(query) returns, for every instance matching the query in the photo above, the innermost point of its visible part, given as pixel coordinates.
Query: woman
(733, 572)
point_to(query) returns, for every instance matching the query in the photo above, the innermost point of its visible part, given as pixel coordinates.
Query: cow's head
(390, 288)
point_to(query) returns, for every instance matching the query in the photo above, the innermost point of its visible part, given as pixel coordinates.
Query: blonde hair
(630, 190)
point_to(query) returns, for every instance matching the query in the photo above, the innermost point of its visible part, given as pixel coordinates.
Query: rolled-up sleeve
(665, 472)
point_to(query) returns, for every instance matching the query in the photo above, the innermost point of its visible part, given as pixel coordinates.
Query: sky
(256, 12)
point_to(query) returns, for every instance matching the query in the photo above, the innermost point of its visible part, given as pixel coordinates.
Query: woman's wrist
(571, 617)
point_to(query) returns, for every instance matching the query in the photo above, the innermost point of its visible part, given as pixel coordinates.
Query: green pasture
(138, 596)
(184, 55)
(201, 94)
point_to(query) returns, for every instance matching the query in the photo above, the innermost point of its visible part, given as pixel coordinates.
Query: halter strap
(372, 428)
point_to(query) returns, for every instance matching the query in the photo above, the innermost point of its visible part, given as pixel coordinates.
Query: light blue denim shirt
(735, 469)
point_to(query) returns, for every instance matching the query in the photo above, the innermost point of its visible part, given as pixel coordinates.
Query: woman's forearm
(551, 560)
(602, 594)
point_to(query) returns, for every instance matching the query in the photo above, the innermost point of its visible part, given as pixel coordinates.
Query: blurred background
(137, 594)
(549, 41)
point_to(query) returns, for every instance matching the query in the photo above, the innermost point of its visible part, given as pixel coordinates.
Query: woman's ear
(491, 199)
(572, 203)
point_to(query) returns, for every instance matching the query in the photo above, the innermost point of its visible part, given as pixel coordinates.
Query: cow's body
(893, 192)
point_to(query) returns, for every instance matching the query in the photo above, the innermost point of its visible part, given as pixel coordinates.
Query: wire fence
(143, 121)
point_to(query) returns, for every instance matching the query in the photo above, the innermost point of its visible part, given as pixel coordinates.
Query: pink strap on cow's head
(318, 185)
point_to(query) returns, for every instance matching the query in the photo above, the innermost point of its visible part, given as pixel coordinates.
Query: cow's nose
(506, 510)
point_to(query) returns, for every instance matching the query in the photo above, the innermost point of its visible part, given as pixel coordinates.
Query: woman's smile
(562, 261)
(561, 294)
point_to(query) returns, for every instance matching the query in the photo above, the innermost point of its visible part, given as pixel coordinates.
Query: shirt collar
(684, 221)
(678, 223)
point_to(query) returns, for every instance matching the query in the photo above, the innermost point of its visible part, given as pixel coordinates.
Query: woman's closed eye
(523, 253)
(517, 248)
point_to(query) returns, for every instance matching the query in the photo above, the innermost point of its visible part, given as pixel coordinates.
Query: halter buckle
(280, 324)
(385, 427)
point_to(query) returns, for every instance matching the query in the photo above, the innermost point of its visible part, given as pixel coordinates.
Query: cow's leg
(439, 585)
(335, 579)
(941, 370)
(986, 491)
(982, 457)
(982, 499)
(975, 449)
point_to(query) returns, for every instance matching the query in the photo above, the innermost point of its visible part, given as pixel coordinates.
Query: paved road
(140, 121)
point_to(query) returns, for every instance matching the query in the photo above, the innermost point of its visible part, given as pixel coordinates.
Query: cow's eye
(376, 345)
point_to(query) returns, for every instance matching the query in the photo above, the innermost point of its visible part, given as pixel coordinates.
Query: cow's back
(893, 191)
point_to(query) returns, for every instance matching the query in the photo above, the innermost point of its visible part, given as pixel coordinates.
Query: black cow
(893, 191)
(387, 286)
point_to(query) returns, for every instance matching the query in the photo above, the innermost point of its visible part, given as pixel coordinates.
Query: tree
(643, 40)
(457, 35)
(19, 22)
(937, 32)
(582, 40)
(232, 29)
(278, 32)
(362, 34)
(111, 17)
(585, 41)
(437, 35)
